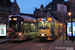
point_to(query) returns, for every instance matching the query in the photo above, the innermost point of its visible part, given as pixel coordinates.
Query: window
(32, 27)
(56, 25)
(44, 25)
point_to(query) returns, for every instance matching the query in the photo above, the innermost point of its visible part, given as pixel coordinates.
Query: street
(30, 45)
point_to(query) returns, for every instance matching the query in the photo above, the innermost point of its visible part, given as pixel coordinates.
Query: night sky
(28, 6)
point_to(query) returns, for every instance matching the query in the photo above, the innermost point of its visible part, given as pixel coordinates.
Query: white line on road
(57, 42)
(54, 43)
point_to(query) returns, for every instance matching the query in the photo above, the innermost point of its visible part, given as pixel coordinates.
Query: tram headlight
(19, 34)
(43, 34)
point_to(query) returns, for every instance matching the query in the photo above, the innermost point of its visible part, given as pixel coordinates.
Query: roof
(26, 14)
(26, 18)
(6, 3)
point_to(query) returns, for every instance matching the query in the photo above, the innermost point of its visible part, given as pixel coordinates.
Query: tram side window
(25, 27)
(32, 27)
(56, 25)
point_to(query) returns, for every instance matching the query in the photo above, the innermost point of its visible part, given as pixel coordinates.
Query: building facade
(52, 8)
(8, 8)
(70, 8)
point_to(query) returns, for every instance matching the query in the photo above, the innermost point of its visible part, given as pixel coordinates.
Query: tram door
(26, 29)
(32, 29)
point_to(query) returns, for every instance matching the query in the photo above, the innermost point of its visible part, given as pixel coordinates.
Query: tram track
(10, 44)
(50, 46)
(3, 43)
(28, 45)
(14, 45)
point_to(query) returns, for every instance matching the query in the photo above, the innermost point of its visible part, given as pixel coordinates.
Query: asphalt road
(30, 45)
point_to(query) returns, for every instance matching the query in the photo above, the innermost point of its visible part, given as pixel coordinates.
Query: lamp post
(71, 20)
(63, 25)
(63, 22)
(70, 14)
(72, 1)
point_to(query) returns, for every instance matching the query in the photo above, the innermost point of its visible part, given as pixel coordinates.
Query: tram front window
(44, 25)
(15, 26)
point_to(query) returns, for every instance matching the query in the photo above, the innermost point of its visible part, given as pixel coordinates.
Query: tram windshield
(44, 24)
(15, 26)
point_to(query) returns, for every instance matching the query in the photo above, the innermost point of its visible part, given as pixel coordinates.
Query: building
(54, 7)
(71, 6)
(7, 8)
(39, 12)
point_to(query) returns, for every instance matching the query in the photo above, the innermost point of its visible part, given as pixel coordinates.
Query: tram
(21, 28)
(48, 28)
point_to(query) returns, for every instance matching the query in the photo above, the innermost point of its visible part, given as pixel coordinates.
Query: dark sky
(28, 6)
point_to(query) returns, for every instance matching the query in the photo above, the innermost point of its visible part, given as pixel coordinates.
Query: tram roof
(26, 18)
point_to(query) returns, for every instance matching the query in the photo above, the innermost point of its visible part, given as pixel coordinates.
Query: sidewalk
(68, 45)
(2, 40)
(64, 45)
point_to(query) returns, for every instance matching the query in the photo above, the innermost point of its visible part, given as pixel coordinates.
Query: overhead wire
(27, 3)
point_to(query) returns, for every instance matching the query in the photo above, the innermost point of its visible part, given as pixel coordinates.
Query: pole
(71, 21)
(63, 22)
(63, 25)
(71, 29)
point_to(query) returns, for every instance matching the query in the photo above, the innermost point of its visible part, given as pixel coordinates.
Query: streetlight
(71, 17)
(70, 14)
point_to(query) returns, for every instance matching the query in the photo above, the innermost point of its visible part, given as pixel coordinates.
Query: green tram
(21, 28)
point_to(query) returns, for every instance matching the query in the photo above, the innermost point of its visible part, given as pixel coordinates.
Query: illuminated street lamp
(70, 14)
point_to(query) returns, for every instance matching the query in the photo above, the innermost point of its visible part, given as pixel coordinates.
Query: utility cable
(27, 3)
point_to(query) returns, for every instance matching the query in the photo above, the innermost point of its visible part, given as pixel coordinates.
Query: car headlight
(19, 34)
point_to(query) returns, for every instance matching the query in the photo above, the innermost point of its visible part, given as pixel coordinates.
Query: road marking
(42, 48)
(54, 43)
(57, 42)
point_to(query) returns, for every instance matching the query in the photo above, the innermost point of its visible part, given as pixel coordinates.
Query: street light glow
(69, 13)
